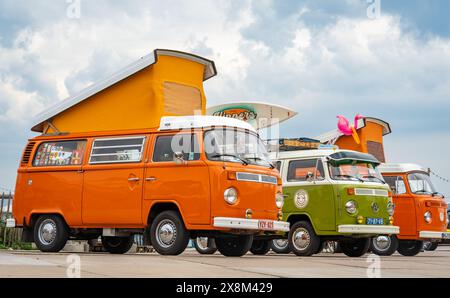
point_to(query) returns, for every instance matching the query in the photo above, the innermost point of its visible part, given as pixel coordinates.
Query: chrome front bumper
(250, 224)
(368, 229)
(434, 235)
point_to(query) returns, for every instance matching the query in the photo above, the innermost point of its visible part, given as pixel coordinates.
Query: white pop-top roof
(188, 122)
(144, 62)
(401, 168)
(262, 114)
(335, 134)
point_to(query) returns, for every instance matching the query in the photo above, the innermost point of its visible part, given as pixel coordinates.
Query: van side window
(117, 150)
(166, 146)
(278, 165)
(298, 169)
(61, 153)
(396, 183)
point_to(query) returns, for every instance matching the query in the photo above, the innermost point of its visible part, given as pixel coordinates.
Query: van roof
(144, 62)
(401, 168)
(338, 155)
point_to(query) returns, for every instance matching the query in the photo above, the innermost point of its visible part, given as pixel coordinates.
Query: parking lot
(191, 264)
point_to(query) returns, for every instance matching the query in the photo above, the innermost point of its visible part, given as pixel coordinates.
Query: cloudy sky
(319, 57)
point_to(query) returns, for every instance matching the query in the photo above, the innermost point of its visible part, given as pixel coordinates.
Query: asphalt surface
(191, 264)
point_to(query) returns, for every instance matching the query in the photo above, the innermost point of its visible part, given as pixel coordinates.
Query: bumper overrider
(368, 229)
(250, 224)
(434, 235)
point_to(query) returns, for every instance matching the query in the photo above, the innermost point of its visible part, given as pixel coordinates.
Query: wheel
(329, 247)
(303, 241)
(117, 245)
(281, 246)
(234, 246)
(50, 233)
(409, 248)
(168, 234)
(384, 245)
(430, 246)
(205, 245)
(355, 247)
(260, 247)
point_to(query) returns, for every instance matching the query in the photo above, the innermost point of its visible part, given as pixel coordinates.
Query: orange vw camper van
(194, 176)
(420, 211)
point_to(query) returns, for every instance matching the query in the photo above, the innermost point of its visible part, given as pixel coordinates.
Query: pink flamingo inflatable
(346, 129)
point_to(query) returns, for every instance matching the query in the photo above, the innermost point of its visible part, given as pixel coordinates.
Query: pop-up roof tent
(260, 115)
(164, 83)
(370, 131)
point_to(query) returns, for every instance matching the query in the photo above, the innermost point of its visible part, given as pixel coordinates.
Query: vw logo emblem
(375, 207)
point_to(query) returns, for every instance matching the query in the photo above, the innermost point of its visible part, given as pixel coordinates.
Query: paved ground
(191, 264)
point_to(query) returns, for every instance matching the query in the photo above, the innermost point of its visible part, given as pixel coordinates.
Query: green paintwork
(326, 207)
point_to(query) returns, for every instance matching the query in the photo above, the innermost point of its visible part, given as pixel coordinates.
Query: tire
(117, 245)
(205, 245)
(281, 246)
(430, 246)
(355, 248)
(303, 241)
(384, 245)
(260, 247)
(234, 246)
(50, 233)
(329, 247)
(168, 234)
(409, 248)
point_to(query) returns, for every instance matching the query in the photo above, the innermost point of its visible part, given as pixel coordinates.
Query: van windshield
(355, 171)
(420, 183)
(224, 144)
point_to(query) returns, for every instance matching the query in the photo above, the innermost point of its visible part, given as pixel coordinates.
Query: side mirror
(178, 158)
(393, 189)
(310, 176)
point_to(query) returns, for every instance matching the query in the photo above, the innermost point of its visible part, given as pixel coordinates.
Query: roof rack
(296, 144)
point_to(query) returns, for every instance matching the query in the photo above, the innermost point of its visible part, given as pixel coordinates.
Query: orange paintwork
(371, 132)
(100, 195)
(410, 209)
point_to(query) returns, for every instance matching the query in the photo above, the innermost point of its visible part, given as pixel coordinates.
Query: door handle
(150, 179)
(133, 179)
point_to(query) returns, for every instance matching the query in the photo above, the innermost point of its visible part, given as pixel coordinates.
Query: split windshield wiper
(350, 176)
(244, 161)
(375, 177)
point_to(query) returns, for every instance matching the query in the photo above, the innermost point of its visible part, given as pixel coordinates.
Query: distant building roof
(144, 62)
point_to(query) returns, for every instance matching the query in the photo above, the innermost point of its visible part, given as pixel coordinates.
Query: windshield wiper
(437, 194)
(422, 191)
(350, 176)
(244, 162)
(375, 177)
(265, 160)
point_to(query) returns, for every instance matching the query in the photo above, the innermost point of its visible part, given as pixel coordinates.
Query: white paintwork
(335, 134)
(401, 168)
(10, 223)
(122, 74)
(371, 192)
(303, 154)
(189, 122)
(368, 229)
(434, 235)
(267, 114)
(247, 224)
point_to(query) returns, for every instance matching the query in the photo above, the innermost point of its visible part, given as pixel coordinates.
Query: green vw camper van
(332, 195)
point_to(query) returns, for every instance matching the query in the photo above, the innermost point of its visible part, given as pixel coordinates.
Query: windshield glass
(355, 171)
(420, 183)
(235, 146)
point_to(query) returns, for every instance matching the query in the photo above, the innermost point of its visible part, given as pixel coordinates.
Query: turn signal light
(391, 220)
(350, 191)
(279, 181)
(360, 220)
(231, 175)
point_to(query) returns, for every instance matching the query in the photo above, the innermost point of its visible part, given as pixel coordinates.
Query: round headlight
(351, 207)
(427, 216)
(230, 195)
(279, 200)
(390, 208)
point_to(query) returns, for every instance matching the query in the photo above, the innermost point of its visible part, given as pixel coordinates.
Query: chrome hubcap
(47, 231)
(166, 233)
(382, 242)
(202, 242)
(280, 243)
(301, 239)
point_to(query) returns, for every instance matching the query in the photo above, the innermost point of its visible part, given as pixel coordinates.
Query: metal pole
(1, 207)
